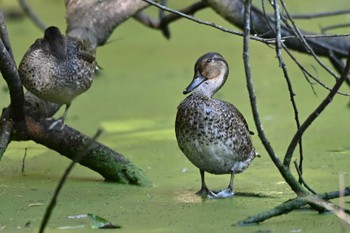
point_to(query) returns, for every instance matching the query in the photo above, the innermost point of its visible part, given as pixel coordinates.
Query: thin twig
(190, 10)
(253, 103)
(210, 24)
(24, 160)
(286, 75)
(164, 27)
(302, 39)
(333, 27)
(301, 178)
(302, 68)
(31, 14)
(316, 113)
(308, 74)
(53, 201)
(321, 14)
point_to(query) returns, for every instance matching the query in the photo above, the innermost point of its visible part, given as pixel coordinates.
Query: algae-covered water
(134, 99)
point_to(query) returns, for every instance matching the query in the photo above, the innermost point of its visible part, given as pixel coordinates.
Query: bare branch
(300, 35)
(4, 35)
(284, 172)
(9, 73)
(190, 10)
(5, 133)
(301, 178)
(63, 179)
(321, 14)
(291, 205)
(69, 142)
(210, 24)
(286, 76)
(315, 114)
(332, 27)
(31, 14)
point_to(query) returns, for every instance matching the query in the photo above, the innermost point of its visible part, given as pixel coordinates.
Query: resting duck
(58, 68)
(212, 133)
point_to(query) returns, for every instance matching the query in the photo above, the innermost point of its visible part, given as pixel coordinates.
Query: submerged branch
(70, 142)
(293, 204)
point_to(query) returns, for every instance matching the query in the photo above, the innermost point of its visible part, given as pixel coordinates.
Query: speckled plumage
(58, 68)
(212, 133)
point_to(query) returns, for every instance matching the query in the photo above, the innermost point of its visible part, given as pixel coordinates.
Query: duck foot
(220, 194)
(57, 125)
(225, 193)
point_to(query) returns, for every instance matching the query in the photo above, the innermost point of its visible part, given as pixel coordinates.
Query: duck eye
(209, 60)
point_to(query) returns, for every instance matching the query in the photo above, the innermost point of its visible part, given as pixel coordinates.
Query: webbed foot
(220, 194)
(225, 193)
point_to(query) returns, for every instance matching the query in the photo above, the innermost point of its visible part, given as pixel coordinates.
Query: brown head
(210, 73)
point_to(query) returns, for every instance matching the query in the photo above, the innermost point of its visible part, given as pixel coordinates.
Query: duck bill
(197, 80)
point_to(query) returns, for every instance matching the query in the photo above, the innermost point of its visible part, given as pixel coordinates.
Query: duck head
(210, 73)
(54, 43)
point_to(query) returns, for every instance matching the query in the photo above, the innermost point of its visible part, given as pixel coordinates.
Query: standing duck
(58, 68)
(212, 133)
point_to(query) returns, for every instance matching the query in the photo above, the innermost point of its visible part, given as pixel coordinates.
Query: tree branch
(291, 205)
(70, 142)
(107, 15)
(9, 73)
(165, 20)
(31, 14)
(316, 113)
(279, 45)
(293, 183)
(320, 14)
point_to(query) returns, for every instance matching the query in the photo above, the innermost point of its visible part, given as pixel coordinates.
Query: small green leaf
(98, 222)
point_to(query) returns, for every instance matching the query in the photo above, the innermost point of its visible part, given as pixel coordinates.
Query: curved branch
(70, 142)
(293, 183)
(165, 20)
(316, 113)
(291, 205)
(9, 73)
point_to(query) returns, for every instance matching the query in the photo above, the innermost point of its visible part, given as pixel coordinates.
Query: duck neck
(210, 87)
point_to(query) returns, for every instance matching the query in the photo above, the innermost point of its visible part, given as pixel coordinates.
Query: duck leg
(60, 121)
(230, 185)
(228, 192)
(204, 191)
